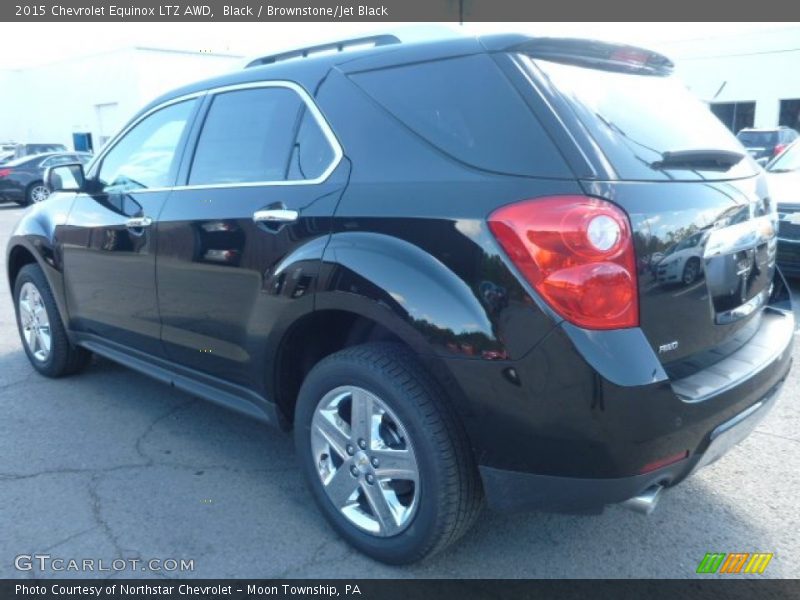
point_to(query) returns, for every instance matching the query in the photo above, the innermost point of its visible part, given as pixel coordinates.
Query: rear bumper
(512, 491)
(11, 193)
(578, 422)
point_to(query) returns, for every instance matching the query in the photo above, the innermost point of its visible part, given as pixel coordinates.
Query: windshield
(637, 118)
(788, 160)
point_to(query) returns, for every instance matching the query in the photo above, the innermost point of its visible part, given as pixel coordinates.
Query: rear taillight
(577, 253)
(778, 149)
(5, 172)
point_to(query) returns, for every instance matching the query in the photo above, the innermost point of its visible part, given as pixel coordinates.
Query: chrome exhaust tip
(646, 502)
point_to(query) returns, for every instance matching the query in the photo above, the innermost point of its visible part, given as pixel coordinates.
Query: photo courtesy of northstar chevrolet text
(338, 299)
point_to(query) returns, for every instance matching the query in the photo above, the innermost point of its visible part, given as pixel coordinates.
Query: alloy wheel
(35, 322)
(690, 273)
(365, 460)
(39, 193)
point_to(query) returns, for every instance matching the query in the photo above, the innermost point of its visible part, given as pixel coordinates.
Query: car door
(108, 242)
(239, 243)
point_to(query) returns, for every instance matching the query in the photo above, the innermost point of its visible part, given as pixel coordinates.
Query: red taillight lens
(577, 252)
(778, 149)
(5, 172)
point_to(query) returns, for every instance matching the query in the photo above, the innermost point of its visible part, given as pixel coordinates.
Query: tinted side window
(247, 137)
(145, 157)
(312, 153)
(467, 108)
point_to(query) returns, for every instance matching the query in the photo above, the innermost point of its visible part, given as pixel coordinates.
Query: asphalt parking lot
(110, 465)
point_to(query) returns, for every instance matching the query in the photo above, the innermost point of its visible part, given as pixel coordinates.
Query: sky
(58, 41)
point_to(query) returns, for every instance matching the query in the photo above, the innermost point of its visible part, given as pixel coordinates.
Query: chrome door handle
(277, 215)
(137, 222)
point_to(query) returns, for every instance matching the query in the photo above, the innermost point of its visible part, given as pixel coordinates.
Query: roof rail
(340, 46)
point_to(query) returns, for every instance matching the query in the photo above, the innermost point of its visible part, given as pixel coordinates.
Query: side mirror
(65, 178)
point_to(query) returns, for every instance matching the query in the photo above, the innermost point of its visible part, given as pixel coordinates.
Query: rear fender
(408, 291)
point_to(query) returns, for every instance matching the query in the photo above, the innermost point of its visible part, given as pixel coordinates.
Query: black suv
(435, 263)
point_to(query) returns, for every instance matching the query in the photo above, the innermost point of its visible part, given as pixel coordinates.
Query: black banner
(400, 589)
(394, 10)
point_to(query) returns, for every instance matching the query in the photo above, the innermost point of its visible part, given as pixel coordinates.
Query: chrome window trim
(338, 152)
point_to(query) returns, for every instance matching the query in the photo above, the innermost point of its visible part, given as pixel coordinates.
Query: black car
(766, 143)
(22, 179)
(783, 174)
(425, 260)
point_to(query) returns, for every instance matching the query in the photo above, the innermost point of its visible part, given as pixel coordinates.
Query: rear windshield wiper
(698, 159)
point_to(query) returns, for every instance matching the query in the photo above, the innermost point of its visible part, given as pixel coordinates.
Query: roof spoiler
(331, 47)
(596, 54)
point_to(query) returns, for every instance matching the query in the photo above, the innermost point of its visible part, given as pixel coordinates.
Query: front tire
(384, 454)
(40, 328)
(691, 271)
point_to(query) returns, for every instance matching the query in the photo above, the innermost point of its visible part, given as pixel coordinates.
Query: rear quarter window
(467, 108)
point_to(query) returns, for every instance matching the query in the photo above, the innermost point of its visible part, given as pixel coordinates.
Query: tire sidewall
(420, 534)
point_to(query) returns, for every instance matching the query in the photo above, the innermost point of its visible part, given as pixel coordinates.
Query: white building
(96, 93)
(749, 80)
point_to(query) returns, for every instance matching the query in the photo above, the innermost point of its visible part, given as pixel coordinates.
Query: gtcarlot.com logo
(734, 563)
(48, 563)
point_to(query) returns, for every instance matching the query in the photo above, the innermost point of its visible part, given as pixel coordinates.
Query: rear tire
(36, 192)
(40, 328)
(416, 458)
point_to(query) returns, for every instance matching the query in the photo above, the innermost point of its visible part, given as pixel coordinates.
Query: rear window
(468, 109)
(758, 138)
(636, 118)
(17, 162)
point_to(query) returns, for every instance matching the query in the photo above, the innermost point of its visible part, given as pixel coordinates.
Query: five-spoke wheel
(384, 453)
(40, 328)
(365, 460)
(35, 321)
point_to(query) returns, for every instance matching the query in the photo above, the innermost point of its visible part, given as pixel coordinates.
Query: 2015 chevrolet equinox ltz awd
(532, 271)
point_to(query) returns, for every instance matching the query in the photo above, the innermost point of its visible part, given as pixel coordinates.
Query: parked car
(13, 151)
(766, 143)
(682, 263)
(22, 179)
(422, 258)
(783, 174)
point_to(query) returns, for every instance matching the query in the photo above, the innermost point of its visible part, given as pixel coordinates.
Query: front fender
(408, 291)
(36, 235)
